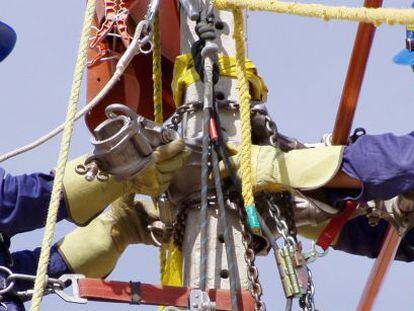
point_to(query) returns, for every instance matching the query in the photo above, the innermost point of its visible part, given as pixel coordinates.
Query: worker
(8, 40)
(24, 201)
(370, 238)
(374, 167)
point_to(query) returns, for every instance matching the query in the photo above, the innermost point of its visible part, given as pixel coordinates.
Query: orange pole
(379, 270)
(354, 79)
(342, 128)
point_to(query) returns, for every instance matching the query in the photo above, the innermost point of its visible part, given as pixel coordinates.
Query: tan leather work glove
(275, 170)
(95, 249)
(155, 179)
(86, 199)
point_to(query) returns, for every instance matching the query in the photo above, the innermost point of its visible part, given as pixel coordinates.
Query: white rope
(133, 49)
(41, 275)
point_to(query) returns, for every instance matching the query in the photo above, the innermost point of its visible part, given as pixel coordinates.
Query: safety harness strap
(335, 226)
(126, 292)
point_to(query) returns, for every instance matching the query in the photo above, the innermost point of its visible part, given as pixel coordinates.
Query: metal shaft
(207, 106)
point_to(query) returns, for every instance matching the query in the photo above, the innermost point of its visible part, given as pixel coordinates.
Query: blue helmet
(406, 56)
(7, 40)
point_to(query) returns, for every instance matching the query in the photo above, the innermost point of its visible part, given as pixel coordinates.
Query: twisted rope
(63, 157)
(376, 16)
(246, 129)
(156, 72)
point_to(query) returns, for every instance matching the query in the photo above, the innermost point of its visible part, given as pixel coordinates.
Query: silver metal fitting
(124, 143)
(200, 301)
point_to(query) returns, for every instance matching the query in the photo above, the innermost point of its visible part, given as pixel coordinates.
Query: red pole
(342, 128)
(379, 270)
(354, 79)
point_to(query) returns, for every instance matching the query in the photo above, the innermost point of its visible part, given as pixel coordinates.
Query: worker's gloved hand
(94, 250)
(155, 179)
(399, 211)
(86, 199)
(275, 170)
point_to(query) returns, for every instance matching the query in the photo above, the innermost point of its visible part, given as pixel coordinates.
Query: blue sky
(303, 62)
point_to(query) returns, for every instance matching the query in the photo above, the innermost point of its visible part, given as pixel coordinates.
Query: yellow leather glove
(155, 179)
(95, 249)
(85, 200)
(275, 170)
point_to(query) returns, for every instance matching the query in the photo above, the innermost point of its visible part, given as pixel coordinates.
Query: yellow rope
(376, 16)
(156, 72)
(246, 129)
(169, 255)
(63, 157)
(158, 115)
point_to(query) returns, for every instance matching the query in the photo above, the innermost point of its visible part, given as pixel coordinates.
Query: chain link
(252, 272)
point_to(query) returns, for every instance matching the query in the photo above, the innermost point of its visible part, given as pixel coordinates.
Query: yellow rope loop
(63, 157)
(156, 72)
(376, 16)
(246, 129)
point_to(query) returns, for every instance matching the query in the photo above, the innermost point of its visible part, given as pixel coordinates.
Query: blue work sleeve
(359, 238)
(24, 201)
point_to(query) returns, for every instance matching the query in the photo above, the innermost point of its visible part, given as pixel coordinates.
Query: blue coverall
(24, 201)
(384, 164)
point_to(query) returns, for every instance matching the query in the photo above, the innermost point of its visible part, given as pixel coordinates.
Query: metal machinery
(207, 215)
(204, 212)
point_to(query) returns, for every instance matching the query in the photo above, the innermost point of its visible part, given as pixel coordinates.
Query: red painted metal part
(335, 226)
(157, 295)
(347, 107)
(343, 123)
(379, 270)
(354, 79)
(135, 88)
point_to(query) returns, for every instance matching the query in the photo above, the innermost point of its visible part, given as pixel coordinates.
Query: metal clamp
(200, 301)
(74, 297)
(124, 143)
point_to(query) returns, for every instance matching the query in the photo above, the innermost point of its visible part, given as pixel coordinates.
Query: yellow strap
(63, 157)
(376, 16)
(185, 75)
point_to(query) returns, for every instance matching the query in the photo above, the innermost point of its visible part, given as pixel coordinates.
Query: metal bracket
(200, 301)
(73, 280)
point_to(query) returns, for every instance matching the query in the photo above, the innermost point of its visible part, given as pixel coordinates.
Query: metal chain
(306, 302)
(178, 115)
(9, 282)
(289, 235)
(179, 228)
(281, 224)
(252, 272)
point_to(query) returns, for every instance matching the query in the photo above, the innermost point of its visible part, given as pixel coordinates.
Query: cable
(228, 242)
